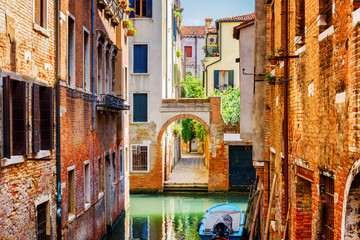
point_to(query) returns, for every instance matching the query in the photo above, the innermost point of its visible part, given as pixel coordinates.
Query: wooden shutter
(216, 79)
(188, 51)
(140, 108)
(149, 9)
(231, 78)
(6, 117)
(19, 118)
(140, 58)
(47, 118)
(36, 118)
(38, 11)
(132, 5)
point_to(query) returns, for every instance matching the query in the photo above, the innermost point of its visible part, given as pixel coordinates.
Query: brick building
(27, 156)
(94, 125)
(311, 142)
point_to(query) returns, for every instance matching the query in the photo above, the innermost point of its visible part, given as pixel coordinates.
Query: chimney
(208, 22)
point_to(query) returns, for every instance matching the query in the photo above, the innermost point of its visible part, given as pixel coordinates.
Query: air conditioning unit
(212, 39)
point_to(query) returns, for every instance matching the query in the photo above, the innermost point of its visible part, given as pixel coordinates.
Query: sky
(195, 11)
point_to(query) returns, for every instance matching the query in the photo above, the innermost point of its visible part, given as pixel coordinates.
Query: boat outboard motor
(223, 226)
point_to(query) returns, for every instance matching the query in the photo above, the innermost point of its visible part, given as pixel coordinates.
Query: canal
(168, 217)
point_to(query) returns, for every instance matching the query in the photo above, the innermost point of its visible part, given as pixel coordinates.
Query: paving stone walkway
(190, 169)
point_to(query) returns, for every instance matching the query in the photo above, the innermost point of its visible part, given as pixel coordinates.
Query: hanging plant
(127, 23)
(279, 50)
(128, 10)
(123, 3)
(270, 57)
(270, 79)
(131, 31)
(179, 53)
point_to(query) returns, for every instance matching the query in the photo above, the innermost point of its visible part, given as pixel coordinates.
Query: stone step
(200, 184)
(185, 188)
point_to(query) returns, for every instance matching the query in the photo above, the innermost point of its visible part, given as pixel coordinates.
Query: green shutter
(216, 79)
(140, 107)
(231, 78)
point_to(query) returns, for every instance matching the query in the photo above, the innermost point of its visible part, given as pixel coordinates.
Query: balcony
(212, 51)
(104, 3)
(111, 9)
(110, 103)
(118, 15)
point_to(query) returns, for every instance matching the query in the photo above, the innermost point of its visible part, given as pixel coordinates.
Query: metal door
(241, 169)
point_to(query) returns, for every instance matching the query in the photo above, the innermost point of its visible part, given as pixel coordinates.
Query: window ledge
(356, 17)
(41, 30)
(87, 206)
(328, 32)
(43, 154)
(139, 123)
(140, 74)
(300, 50)
(71, 217)
(13, 160)
(140, 172)
(100, 195)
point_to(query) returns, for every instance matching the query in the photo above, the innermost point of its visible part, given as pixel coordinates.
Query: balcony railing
(112, 8)
(110, 103)
(104, 2)
(212, 51)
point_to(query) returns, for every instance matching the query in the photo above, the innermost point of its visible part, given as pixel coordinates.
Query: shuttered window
(42, 118)
(18, 118)
(223, 79)
(188, 51)
(140, 58)
(140, 109)
(40, 14)
(143, 8)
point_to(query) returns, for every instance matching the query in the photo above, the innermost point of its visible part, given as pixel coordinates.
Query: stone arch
(350, 228)
(178, 117)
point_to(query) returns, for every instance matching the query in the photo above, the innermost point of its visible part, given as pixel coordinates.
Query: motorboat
(224, 221)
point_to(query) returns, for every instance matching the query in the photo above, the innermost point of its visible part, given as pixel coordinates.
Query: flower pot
(129, 34)
(281, 52)
(125, 25)
(123, 4)
(273, 62)
(127, 13)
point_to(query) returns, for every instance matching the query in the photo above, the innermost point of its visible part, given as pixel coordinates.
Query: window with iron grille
(139, 158)
(41, 221)
(327, 207)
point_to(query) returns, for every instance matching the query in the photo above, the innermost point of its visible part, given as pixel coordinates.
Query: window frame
(71, 83)
(121, 163)
(134, 15)
(71, 211)
(45, 199)
(148, 59)
(191, 51)
(87, 188)
(148, 158)
(224, 71)
(132, 103)
(46, 15)
(86, 62)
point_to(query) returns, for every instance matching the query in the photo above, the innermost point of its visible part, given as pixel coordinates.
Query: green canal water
(168, 217)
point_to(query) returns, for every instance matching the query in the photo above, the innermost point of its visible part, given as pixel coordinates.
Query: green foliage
(177, 12)
(200, 131)
(128, 22)
(230, 103)
(177, 129)
(188, 130)
(178, 53)
(192, 88)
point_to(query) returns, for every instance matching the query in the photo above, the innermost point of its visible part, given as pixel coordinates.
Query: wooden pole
(287, 220)
(269, 208)
(255, 216)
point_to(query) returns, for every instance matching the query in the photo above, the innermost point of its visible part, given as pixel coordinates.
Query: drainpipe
(58, 158)
(286, 121)
(93, 63)
(196, 72)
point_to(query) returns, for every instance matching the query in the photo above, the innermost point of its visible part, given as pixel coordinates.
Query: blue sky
(195, 11)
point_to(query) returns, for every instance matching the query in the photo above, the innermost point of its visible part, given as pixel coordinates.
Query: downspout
(196, 71)
(58, 158)
(206, 69)
(286, 121)
(93, 63)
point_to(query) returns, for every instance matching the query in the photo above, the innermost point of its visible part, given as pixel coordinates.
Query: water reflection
(167, 217)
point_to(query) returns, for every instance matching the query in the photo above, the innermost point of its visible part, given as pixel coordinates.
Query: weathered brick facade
(323, 106)
(101, 199)
(27, 180)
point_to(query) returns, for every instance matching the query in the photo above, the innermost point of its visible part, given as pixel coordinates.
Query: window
(14, 118)
(126, 83)
(107, 71)
(140, 58)
(113, 70)
(140, 228)
(71, 192)
(140, 109)
(325, 12)
(300, 22)
(87, 182)
(42, 118)
(100, 175)
(71, 52)
(139, 158)
(143, 8)
(86, 63)
(41, 13)
(121, 164)
(188, 51)
(327, 206)
(223, 79)
(114, 166)
(100, 66)
(42, 221)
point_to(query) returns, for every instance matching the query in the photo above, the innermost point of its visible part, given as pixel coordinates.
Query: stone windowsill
(41, 30)
(140, 74)
(328, 32)
(71, 217)
(140, 172)
(100, 195)
(356, 17)
(43, 154)
(13, 160)
(87, 206)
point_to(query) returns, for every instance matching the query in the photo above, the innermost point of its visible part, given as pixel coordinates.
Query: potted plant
(279, 50)
(127, 23)
(128, 10)
(270, 57)
(123, 3)
(270, 79)
(179, 53)
(131, 32)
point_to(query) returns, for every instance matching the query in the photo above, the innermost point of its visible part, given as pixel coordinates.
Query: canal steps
(189, 175)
